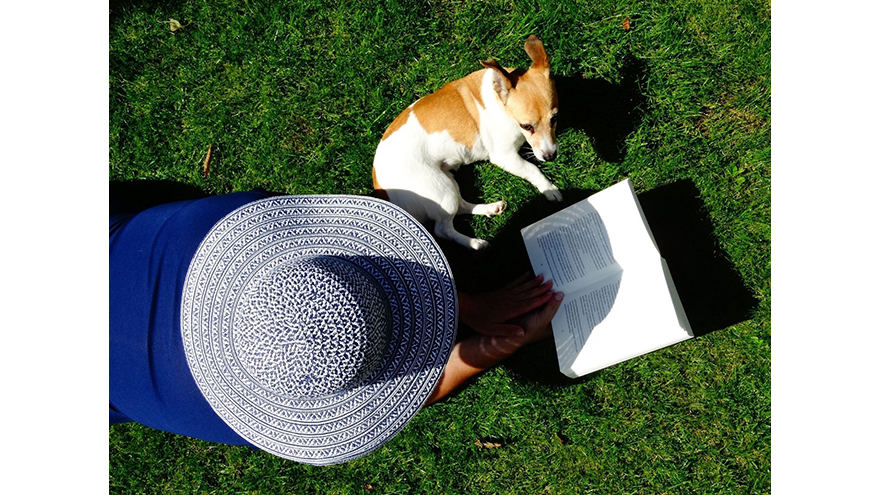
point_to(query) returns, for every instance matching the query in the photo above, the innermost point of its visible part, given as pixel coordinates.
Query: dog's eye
(527, 127)
(553, 119)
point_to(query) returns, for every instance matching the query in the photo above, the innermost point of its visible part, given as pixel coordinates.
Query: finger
(549, 311)
(538, 291)
(527, 286)
(530, 304)
(526, 297)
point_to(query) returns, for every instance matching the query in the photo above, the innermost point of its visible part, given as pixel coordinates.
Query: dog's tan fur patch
(397, 123)
(453, 108)
(536, 94)
(378, 190)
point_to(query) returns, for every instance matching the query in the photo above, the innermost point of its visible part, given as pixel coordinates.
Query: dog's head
(529, 96)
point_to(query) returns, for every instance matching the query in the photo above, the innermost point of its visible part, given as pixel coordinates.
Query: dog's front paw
(497, 207)
(552, 193)
(478, 244)
(489, 210)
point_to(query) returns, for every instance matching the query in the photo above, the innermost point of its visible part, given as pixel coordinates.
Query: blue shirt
(150, 252)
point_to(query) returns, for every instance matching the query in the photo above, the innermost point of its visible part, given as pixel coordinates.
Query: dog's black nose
(550, 157)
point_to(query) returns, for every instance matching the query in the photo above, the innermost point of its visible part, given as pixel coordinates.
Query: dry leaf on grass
(626, 23)
(487, 445)
(207, 165)
(174, 24)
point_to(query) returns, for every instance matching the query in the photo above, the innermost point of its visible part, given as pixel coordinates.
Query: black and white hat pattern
(317, 326)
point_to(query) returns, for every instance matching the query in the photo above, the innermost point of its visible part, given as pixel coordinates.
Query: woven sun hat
(317, 326)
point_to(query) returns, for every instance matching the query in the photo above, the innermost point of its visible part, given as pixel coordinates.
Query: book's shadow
(711, 290)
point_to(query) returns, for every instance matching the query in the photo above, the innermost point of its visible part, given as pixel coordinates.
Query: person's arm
(478, 353)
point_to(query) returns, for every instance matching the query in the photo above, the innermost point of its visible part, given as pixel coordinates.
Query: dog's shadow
(711, 289)
(604, 111)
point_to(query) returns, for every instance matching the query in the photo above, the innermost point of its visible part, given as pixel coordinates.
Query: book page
(571, 247)
(578, 250)
(619, 298)
(642, 317)
(580, 313)
(591, 238)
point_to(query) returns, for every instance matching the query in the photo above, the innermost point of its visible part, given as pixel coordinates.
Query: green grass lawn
(293, 96)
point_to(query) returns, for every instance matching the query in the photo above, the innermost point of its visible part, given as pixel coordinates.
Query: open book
(620, 301)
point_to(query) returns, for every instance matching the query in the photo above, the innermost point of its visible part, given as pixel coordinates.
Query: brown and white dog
(486, 115)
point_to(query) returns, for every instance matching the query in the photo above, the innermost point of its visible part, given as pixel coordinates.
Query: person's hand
(480, 352)
(536, 324)
(491, 313)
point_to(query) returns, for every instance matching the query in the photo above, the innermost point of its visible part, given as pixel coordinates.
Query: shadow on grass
(711, 289)
(137, 195)
(604, 111)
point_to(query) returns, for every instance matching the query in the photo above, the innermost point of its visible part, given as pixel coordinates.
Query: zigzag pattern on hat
(388, 247)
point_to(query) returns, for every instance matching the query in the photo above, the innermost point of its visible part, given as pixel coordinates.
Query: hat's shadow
(711, 289)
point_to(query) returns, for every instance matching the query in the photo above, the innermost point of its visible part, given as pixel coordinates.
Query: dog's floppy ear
(501, 80)
(535, 48)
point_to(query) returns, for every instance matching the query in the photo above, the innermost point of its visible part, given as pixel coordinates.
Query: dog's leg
(445, 229)
(489, 210)
(515, 164)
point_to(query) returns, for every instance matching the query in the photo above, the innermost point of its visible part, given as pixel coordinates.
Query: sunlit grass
(293, 96)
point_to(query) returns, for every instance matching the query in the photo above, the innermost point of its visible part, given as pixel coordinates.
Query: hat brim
(377, 236)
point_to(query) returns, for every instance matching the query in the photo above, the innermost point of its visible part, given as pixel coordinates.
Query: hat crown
(313, 327)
